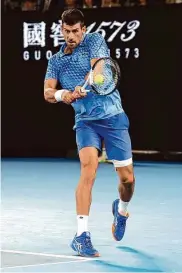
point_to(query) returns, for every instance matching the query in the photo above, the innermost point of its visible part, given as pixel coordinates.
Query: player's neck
(68, 50)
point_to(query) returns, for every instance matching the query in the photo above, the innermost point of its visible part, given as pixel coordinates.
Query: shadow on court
(38, 215)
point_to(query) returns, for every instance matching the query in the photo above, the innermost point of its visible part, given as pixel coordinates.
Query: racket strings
(110, 72)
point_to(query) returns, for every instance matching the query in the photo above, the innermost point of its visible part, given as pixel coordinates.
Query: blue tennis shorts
(113, 131)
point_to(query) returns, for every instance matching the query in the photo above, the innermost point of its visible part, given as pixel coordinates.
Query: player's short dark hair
(72, 17)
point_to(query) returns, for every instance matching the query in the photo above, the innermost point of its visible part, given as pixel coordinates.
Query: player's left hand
(78, 93)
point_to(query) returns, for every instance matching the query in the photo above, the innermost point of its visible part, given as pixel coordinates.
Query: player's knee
(126, 175)
(128, 179)
(88, 169)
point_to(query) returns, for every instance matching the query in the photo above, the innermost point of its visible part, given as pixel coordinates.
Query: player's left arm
(92, 62)
(97, 49)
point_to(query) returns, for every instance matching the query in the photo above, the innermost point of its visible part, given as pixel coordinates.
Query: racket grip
(85, 84)
(76, 95)
(83, 87)
(82, 90)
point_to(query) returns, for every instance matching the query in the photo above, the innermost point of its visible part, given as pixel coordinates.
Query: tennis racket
(104, 77)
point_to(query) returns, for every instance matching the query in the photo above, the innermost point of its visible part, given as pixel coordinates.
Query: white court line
(29, 265)
(46, 254)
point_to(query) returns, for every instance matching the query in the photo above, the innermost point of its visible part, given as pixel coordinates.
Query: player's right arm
(51, 94)
(50, 90)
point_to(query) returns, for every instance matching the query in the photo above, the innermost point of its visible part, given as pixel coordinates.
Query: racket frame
(89, 80)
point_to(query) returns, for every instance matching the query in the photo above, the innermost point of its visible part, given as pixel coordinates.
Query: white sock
(82, 221)
(104, 152)
(122, 207)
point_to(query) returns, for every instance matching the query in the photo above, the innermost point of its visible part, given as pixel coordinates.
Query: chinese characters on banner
(34, 35)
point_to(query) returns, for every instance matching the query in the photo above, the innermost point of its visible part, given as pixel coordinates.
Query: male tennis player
(97, 118)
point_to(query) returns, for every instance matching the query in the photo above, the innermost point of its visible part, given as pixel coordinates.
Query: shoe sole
(88, 256)
(113, 227)
(93, 256)
(113, 230)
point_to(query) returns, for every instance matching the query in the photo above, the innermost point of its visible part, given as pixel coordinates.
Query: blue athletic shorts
(113, 131)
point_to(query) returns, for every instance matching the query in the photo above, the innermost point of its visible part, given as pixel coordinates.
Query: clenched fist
(67, 97)
(78, 93)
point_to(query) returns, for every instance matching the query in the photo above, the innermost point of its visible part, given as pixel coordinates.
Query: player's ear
(84, 29)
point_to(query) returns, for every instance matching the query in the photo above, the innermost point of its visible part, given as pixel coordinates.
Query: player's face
(73, 34)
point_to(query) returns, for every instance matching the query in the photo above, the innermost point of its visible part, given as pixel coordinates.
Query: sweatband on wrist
(58, 94)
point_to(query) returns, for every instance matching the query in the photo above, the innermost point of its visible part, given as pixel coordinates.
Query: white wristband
(58, 94)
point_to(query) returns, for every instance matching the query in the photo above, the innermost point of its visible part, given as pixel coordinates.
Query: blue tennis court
(39, 219)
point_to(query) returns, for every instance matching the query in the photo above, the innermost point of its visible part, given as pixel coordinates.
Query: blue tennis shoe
(119, 223)
(83, 246)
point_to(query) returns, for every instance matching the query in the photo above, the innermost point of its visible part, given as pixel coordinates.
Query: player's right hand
(78, 93)
(67, 97)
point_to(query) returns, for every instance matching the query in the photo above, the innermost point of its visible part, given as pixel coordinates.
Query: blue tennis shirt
(71, 69)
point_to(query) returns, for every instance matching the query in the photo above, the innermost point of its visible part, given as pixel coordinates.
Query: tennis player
(97, 119)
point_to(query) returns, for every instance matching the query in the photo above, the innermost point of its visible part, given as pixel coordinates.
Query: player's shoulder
(54, 59)
(93, 37)
(55, 56)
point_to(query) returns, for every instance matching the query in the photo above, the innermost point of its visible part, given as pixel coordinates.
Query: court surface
(39, 221)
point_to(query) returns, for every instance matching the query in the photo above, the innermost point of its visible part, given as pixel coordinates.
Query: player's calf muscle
(126, 189)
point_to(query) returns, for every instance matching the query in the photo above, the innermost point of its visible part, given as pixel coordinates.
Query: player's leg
(124, 167)
(89, 163)
(120, 205)
(118, 147)
(126, 186)
(88, 145)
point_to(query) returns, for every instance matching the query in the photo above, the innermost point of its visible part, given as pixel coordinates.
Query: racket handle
(84, 90)
(88, 82)
(83, 87)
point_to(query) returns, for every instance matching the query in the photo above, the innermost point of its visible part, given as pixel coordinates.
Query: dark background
(150, 88)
